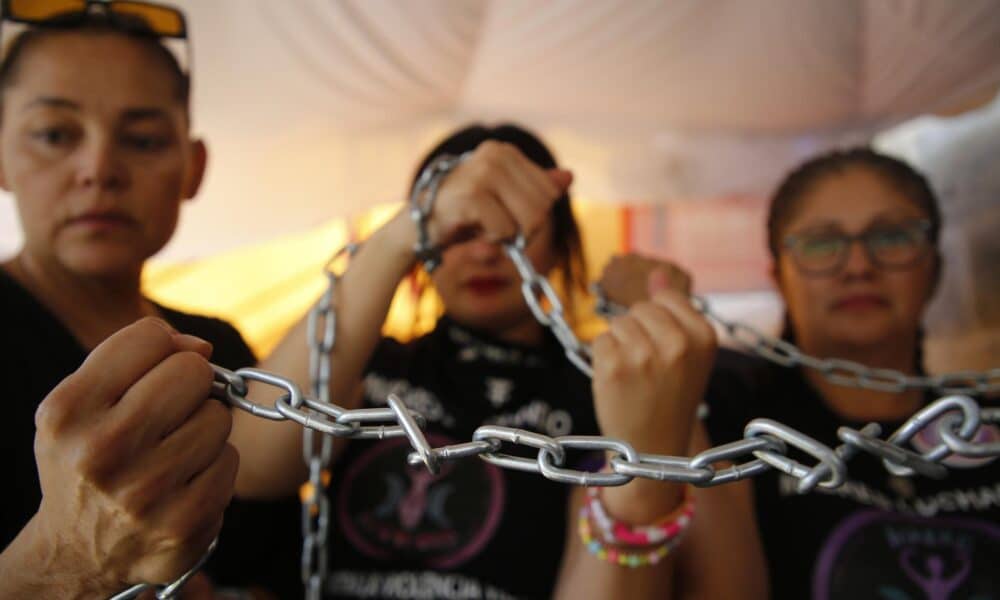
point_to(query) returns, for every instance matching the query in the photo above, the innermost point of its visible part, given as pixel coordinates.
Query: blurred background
(677, 118)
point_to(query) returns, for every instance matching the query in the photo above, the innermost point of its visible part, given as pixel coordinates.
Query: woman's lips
(483, 286)
(101, 221)
(860, 302)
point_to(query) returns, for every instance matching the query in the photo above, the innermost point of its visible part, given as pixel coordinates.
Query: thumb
(657, 281)
(561, 177)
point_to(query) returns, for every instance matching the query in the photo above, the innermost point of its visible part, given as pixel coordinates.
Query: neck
(862, 404)
(92, 308)
(527, 332)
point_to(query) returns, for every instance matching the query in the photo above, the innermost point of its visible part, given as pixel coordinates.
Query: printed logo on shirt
(424, 401)
(877, 554)
(391, 511)
(472, 350)
(930, 436)
(498, 390)
(407, 585)
(956, 500)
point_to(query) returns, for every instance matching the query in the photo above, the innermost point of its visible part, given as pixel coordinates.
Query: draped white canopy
(315, 109)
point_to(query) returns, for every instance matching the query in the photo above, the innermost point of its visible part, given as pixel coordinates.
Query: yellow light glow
(265, 289)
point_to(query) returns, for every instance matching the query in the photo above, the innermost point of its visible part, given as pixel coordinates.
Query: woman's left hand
(650, 370)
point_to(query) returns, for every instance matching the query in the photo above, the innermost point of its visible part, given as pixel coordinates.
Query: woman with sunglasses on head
(133, 465)
(853, 236)
(473, 530)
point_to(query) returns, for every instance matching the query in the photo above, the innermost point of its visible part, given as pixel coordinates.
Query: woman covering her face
(473, 530)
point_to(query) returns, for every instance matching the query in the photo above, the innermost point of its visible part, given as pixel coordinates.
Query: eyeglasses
(888, 246)
(148, 18)
(144, 17)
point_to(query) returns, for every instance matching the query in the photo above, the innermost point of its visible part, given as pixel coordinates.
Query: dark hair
(797, 184)
(95, 24)
(566, 240)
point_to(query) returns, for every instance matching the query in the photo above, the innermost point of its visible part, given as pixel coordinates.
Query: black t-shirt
(878, 536)
(474, 530)
(259, 541)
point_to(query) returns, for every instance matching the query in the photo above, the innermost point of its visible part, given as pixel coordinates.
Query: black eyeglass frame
(865, 239)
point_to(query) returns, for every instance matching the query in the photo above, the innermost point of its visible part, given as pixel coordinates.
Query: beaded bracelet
(619, 556)
(664, 529)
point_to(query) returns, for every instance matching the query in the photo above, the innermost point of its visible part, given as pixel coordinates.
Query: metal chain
(838, 371)
(169, 591)
(322, 335)
(765, 445)
(426, 188)
(535, 289)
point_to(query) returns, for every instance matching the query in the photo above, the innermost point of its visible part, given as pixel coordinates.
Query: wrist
(642, 501)
(37, 564)
(398, 236)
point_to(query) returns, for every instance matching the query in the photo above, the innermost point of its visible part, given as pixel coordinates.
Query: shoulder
(229, 348)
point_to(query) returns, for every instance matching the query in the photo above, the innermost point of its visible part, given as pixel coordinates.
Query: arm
(493, 194)
(363, 296)
(722, 556)
(134, 468)
(650, 372)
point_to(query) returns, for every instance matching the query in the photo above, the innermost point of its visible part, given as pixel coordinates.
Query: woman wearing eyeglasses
(853, 236)
(131, 467)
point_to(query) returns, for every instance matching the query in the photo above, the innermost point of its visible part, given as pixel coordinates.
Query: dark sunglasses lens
(37, 11)
(161, 20)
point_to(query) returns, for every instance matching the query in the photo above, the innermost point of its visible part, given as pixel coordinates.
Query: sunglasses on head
(140, 17)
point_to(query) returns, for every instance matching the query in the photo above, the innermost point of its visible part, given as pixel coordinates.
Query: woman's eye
(892, 237)
(54, 136)
(145, 142)
(821, 245)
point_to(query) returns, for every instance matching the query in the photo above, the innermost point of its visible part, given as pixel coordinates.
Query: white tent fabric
(316, 109)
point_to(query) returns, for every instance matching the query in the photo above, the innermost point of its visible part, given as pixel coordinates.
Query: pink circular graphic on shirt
(391, 511)
(929, 437)
(904, 556)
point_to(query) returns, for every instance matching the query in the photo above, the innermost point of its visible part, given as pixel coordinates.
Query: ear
(936, 277)
(3, 174)
(198, 161)
(775, 275)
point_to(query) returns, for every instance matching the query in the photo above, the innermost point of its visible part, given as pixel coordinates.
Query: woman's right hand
(133, 460)
(496, 193)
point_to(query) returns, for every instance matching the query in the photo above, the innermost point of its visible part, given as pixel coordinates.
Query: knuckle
(54, 412)
(153, 331)
(103, 449)
(139, 498)
(220, 418)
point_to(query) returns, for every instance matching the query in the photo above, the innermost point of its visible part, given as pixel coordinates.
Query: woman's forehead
(98, 67)
(853, 198)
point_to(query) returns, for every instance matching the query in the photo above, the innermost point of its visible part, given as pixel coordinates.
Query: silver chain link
(322, 335)
(169, 591)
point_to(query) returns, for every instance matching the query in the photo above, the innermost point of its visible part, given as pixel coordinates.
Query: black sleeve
(732, 396)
